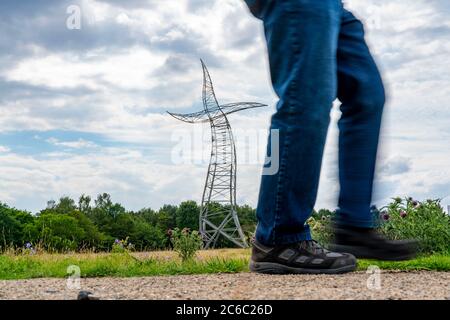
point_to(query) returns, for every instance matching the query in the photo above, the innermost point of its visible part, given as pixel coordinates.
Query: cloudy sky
(83, 110)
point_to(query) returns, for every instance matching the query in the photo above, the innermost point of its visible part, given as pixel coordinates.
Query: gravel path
(394, 285)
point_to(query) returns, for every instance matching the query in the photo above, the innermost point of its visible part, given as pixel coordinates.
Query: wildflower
(403, 214)
(117, 241)
(386, 216)
(415, 203)
(169, 232)
(30, 248)
(185, 230)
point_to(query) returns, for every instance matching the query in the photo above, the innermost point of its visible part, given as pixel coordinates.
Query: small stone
(86, 295)
(51, 291)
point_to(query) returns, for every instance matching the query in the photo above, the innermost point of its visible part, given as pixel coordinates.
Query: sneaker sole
(364, 253)
(276, 268)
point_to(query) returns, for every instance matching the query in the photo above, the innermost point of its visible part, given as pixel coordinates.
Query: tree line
(69, 225)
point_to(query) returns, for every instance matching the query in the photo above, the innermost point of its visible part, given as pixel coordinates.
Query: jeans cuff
(286, 239)
(355, 223)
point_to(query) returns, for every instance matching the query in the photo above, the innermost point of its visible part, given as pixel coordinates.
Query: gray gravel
(394, 285)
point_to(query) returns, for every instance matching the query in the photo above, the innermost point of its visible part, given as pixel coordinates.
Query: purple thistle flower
(117, 241)
(403, 214)
(28, 245)
(386, 216)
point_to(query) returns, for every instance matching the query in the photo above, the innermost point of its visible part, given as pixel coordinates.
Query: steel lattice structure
(218, 216)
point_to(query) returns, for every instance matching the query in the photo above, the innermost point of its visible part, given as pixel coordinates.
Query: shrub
(401, 219)
(185, 242)
(55, 232)
(320, 224)
(425, 221)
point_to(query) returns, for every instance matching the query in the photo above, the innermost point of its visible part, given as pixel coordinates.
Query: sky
(83, 101)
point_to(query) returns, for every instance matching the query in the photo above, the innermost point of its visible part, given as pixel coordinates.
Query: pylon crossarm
(202, 116)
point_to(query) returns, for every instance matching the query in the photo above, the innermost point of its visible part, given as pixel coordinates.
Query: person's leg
(302, 38)
(361, 92)
(360, 89)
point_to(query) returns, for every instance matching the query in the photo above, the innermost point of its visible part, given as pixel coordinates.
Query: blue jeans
(317, 53)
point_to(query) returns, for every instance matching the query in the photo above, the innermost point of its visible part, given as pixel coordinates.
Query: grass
(121, 264)
(438, 262)
(166, 263)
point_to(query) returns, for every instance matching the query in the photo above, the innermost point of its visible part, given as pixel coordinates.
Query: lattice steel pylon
(218, 216)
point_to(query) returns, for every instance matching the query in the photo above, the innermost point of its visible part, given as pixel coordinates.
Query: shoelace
(312, 246)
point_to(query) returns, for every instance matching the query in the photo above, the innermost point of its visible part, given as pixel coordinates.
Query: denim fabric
(317, 53)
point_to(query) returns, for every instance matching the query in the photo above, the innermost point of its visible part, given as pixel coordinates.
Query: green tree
(105, 204)
(11, 229)
(146, 236)
(247, 217)
(84, 204)
(58, 232)
(65, 205)
(104, 215)
(75, 225)
(92, 237)
(149, 215)
(167, 217)
(187, 215)
(122, 226)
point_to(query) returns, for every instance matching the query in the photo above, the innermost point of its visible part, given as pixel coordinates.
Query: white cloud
(128, 70)
(78, 144)
(130, 177)
(134, 60)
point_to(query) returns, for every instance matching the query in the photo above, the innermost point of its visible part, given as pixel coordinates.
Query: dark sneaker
(368, 244)
(301, 257)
